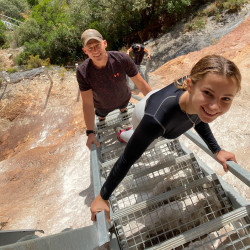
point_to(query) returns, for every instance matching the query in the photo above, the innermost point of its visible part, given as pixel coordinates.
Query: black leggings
(146, 132)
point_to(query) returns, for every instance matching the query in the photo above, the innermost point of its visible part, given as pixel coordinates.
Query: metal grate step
(166, 201)
(243, 231)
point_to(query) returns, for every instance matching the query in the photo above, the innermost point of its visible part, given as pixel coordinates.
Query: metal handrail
(9, 18)
(101, 222)
(233, 167)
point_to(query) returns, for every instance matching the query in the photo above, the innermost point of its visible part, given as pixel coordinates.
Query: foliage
(3, 37)
(230, 5)
(177, 6)
(36, 62)
(117, 19)
(13, 8)
(32, 2)
(1, 65)
(49, 33)
(197, 23)
(22, 58)
(28, 31)
(53, 28)
(210, 10)
(62, 73)
(12, 70)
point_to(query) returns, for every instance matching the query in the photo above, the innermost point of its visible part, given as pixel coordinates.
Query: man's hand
(92, 140)
(141, 84)
(224, 156)
(99, 205)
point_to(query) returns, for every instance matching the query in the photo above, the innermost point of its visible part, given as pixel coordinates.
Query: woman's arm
(204, 131)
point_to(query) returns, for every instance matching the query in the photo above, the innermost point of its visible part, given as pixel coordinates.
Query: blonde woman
(192, 101)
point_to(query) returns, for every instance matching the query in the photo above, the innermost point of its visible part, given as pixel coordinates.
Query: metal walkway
(168, 200)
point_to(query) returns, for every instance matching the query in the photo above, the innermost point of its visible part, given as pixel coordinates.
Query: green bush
(177, 6)
(36, 62)
(22, 58)
(13, 8)
(3, 37)
(198, 23)
(230, 5)
(12, 70)
(64, 43)
(211, 10)
(28, 31)
(32, 2)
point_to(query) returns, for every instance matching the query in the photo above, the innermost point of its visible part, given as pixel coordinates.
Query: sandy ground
(45, 179)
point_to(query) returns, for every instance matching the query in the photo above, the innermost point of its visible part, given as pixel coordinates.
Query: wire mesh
(232, 236)
(161, 221)
(155, 172)
(166, 194)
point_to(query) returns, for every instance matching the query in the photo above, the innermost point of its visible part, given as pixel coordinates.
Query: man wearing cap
(139, 51)
(102, 81)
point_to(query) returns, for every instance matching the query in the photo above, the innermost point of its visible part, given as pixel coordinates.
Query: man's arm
(129, 50)
(89, 115)
(148, 52)
(141, 84)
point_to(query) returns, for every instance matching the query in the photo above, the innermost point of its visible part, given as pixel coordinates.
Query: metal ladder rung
(144, 204)
(114, 115)
(113, 161)
(105, 138)
(113, 125)
(171, 161)
(113, 147)
(203, 229)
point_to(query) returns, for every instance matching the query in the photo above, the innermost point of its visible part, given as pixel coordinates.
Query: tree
(2, 34)
(32, 2)
(13, 8)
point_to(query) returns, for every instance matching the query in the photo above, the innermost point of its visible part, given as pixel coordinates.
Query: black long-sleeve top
(163, 117)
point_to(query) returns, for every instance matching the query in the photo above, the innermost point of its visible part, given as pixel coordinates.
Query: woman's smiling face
(212, 96)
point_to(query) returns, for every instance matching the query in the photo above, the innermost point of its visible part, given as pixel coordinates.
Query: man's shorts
(105, 112)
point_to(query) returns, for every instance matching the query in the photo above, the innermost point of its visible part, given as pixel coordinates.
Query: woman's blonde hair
(212, 64)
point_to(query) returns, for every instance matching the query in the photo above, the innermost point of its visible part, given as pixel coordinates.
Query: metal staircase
(168, 200)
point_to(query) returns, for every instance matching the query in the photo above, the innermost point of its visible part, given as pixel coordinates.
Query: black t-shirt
(110, 90)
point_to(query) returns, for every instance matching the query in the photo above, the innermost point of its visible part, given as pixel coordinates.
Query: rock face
(45, 178)
(179, 41)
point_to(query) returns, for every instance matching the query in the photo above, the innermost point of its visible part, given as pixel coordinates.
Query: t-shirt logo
(117, 74)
